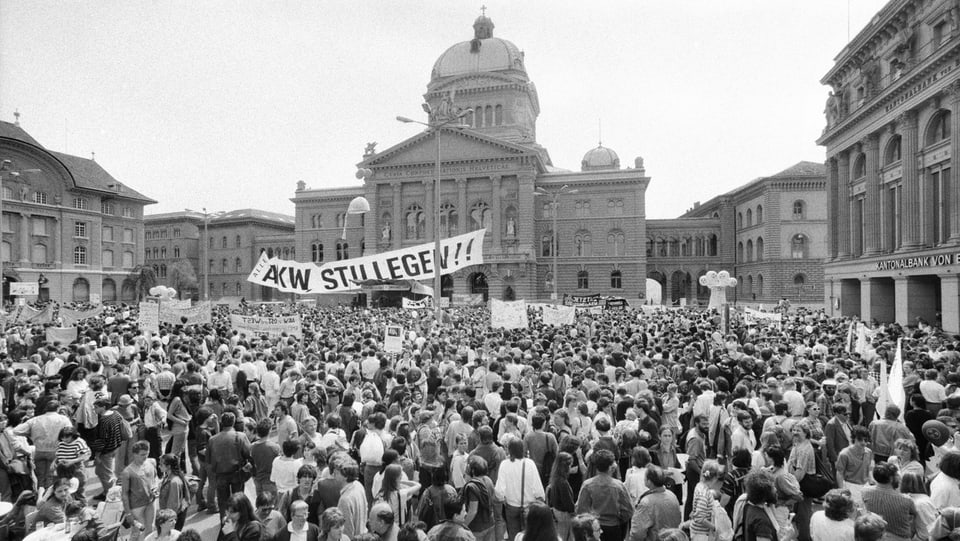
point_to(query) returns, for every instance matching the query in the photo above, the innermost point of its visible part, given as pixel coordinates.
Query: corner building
(891, 137)
(489, 174)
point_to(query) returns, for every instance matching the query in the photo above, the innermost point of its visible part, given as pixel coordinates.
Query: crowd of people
(638, 425)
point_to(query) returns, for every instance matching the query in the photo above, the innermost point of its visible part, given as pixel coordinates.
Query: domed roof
(600, 158)
(483, 53)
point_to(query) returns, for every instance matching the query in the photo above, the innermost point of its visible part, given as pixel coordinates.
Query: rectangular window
(80, 229)
(80, 255)
(127, 259)
(127, 212)
(128, 235)
(39, 226)
(107, 234)
(106, 207)
(79, 203)
(40, 198)
(176, 232)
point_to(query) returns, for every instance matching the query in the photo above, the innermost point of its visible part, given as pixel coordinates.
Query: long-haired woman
(398, 491)
(174, 491)
(240, 523)
(540, 524)
(560, 496)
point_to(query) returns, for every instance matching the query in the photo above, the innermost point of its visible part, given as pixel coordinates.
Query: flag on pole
(895, 382)
(850, 336)
(884, 397)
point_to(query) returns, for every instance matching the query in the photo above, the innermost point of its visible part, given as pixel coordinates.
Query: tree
(183, 276)
(142, 278)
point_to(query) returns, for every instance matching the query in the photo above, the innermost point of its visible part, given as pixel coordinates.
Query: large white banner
(752, 317)
(559, 315)
(272, 326)
(393, 339)
(508, 314)
(71, 317)
(149, 318)
(195, 315)
(414, 263)
(61, 335)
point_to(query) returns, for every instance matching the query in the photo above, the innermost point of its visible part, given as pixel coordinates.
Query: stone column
(526, 182)
(954, 93)
(496, 205)
(950, 302)
(871, 214)
(833, 208)
(463, 213)
(843, 205)
(25, 240)
(910, 205)
(398, 224)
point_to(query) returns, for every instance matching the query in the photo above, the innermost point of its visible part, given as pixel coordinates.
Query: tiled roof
(179, 215)
(14, 131)
(254, 214)
(89, 174)
(803, 169)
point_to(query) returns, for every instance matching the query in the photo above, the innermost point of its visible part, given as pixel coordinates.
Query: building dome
(600, 158)
(484, 53)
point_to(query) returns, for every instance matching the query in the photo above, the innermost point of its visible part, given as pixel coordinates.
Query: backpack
(430, 510)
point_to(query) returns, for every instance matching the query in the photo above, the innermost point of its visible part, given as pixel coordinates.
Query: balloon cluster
(718, 282)
(164, 292)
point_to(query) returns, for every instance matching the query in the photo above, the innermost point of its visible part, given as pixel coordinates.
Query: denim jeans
(103, 468)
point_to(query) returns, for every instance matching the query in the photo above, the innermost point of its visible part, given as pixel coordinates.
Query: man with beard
(696, 448)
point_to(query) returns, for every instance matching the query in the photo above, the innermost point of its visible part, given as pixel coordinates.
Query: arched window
(742, 285)
(239, 289)
(316, 252)
(860, 167)
(546, 250)
(799, 210)
(449, 220)
(649, 247)
(582, 244)
(939, 128)
(488, 116)
(712, 245)
(892, 153)
(616, 280)
(799, 280)
(342, 251)
(685, 249)
(80, 255)
(673, 247)
(163, 270)
(223, 242)
(223, 265)
(748, 256)
(750, 286)
(798, 247)
(615, 243)
(749, 217)
(759, 285)
(739, 220)
(498, 115)
(237, 241)
(760, 249)
(759, 214)
(480, 216)
(176, 251)
(163, 252)
(583, 280)
(416, 222)
(239, 265)
(740, 257)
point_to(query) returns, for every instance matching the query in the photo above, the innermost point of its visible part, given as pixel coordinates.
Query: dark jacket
(227, 452)
(836, 439)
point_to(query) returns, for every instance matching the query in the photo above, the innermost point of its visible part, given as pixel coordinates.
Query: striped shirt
(71, 450)
(702, 509)
(897, 509)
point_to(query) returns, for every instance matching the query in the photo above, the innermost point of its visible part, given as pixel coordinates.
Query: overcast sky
(227, 104)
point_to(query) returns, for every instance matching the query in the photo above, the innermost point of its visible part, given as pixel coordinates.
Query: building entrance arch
(478, 285)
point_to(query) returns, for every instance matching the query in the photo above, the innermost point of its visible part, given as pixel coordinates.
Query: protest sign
(195, 315)
(508, 314)
(263, 325)
(71, 317)
(150, 316)
(410, 304)
(752, 317)
(582, 301)
(413, 263)
(559, 315)
(26, 314)
(393, 339)
(61, 335)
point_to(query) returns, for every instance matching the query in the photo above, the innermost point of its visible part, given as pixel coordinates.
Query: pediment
(455, 146)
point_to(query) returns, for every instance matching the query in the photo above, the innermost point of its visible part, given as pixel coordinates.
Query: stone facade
(67, 223)
(891, 133)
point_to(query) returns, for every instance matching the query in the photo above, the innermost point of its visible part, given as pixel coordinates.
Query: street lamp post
(442, 121)
(553, 240)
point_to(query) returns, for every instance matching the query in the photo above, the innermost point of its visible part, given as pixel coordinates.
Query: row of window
(583, 244)
(342, 250)
(38, 254)
(798, 208)
(79, 203)
(157, 234)
(225, 289)
(685, 247)
(80, 231)
(316, 220)
(161, 253)
(485, 116)
(237, 242)
(799, 249)
(581, 208)
(938, 130)
(237, 265)
(747, 286)
(583, 280)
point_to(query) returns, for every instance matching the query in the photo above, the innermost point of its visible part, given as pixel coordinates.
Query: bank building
(890, 138)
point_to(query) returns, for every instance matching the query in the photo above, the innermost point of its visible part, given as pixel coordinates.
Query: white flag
(895, 382)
